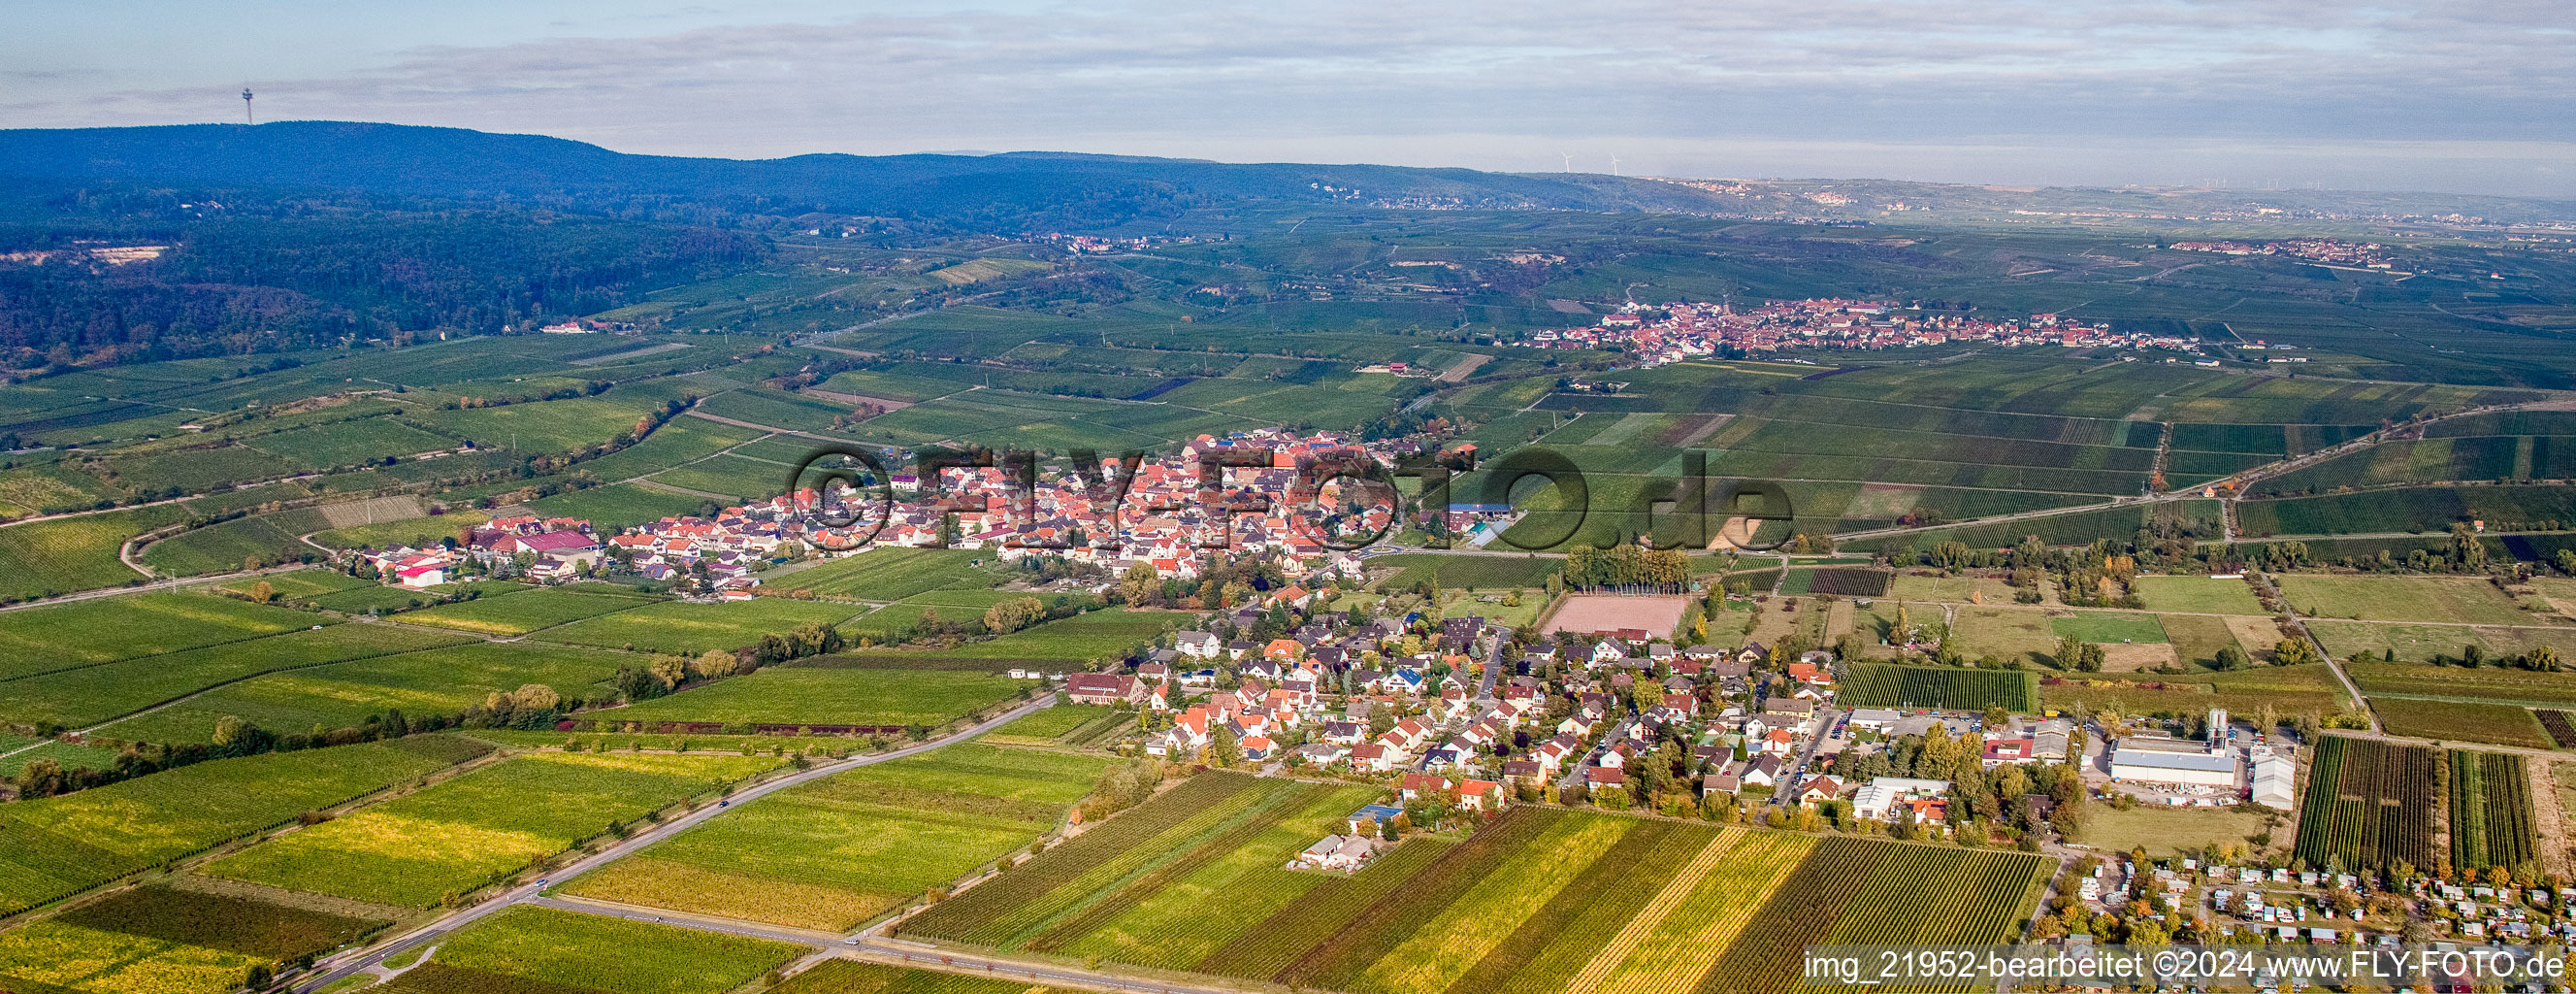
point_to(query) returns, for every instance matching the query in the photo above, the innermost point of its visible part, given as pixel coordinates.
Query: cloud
(1341, 78)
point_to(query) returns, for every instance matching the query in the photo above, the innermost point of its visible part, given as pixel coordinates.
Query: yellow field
(1484, 917)
(113, 963)
(663, 883)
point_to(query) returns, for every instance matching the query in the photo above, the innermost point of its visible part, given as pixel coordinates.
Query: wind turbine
(1569, 161)
(1614, 165)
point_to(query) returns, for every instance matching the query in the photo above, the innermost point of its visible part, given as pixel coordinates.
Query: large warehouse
(2155, 759)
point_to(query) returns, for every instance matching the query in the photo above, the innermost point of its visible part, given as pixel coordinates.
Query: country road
(334, 968)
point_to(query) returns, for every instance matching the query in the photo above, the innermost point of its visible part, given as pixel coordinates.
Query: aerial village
(1669, 333)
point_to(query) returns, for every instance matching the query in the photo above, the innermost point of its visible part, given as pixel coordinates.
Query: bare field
(1601, 613)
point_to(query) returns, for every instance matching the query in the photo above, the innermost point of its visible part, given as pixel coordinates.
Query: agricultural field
(2289, 690)
(2368, 803)
(51, 956)
(2109, 627)
(2022, 635)
(57, 846)
(1062, 725)
(70, 756)
(1468, 572)
(891, 573)
(1108, 633)
(2494, 684)
(847, 976)
(695, 628)
(1882, 685)
(533, 950)
(2411, 509)
(525, 611)
(2196, 595)
(2163, 831)
(77, 698)
(809, 695)
(45, 639)
(429, 683)
(2424, 643)
(1842, 580)
(1542, 900)
(618, 505)
(234, 545)
(297, 585)
(63, 555)
(1952, 589)
(2401, 598)
(833, 854)
(1867, 891)
(409, 531)
(2459, 721)
(535, 428)
(2491, 816)
(463, 834)
(163, 940)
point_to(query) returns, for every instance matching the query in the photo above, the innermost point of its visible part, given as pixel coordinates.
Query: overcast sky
(2469, 97)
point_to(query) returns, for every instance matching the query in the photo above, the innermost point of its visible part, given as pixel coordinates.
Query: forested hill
(1011, 189)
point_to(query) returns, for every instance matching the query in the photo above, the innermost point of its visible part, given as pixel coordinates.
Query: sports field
(1588, 613)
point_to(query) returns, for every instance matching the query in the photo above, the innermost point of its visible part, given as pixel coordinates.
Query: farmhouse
(1104, 688)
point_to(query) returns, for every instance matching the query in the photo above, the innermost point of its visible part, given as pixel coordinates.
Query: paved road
(336, 967)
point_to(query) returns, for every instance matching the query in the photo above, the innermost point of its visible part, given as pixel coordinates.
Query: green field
(2196, 595)
(1063, 724)
(1877, 685)
(1542, 900)
(891, 573)
(845, 976)
(2289, 690)
(696, 628)
(525, 611)
(2451, 721)
(531, 950)
(786, 695)
(2109, 627)
(1103, 634)
(234, 545)
(63, 555)
(832, 854)
(409, 531)
(547, 426)
(80, 697)
(432, 683)
(463, 834)
(69, 755)
(40, 640)
(54, 847)
(2401, 598)
(1470, 572)
(2421, 643)
(618, 505)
